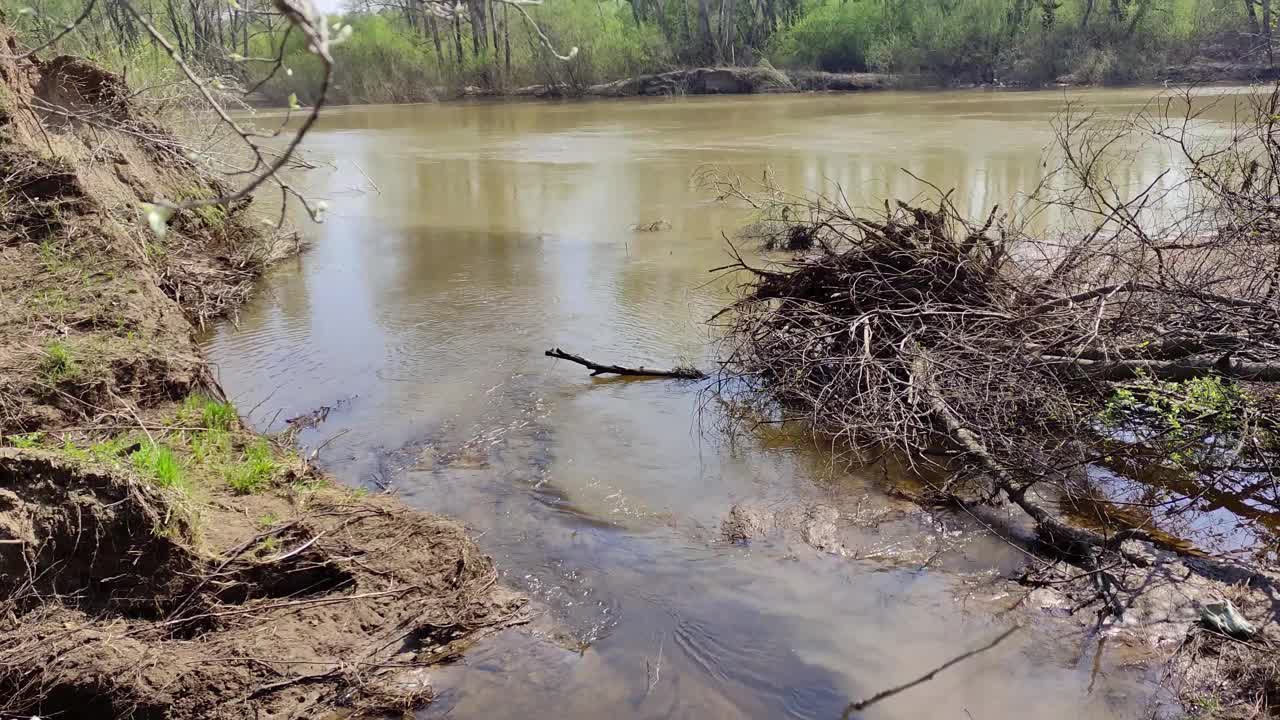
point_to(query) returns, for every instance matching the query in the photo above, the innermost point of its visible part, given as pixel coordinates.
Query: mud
(123, 594)
(815, 525)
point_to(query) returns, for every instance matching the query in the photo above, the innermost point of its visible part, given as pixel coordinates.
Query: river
(463, 240)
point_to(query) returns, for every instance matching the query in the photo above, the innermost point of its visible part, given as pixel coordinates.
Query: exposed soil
(156, 559)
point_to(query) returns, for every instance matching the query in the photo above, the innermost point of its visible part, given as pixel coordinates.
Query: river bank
(713, 81)
(157, 558)
(760, 80)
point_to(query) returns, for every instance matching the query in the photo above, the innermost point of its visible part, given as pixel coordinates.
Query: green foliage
(206, 412)
(838, 36)
(213, 217)
(379, 63)
(110, 451)
(25, 441)
(1173, 404)
(158, 463)
(59, 363)
(255, 472)
(212, 447)
(409, 55)
(50, 254)
(1179, 415)
(610, 44)
(987, 40)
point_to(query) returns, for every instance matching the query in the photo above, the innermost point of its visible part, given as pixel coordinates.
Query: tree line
(411, 50)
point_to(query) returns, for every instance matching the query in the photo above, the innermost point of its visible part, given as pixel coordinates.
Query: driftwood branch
(680, 373)
(863, 704)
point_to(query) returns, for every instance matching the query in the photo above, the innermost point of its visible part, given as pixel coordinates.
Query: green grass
(25, 441)
(213, 217)
(211, 447)
(59, 363)
(256, 472)
(50, 255)
(208, 413)
(110, 451)
(158, 463)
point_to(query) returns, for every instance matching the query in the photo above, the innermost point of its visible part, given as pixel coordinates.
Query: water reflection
(466, 239)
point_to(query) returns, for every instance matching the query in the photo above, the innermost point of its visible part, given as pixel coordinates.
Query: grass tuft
(256, 472)
(160, 465)
(208, 413)
(25, 441)
(59, 362)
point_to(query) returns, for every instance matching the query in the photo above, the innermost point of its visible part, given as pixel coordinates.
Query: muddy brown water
(463, 240)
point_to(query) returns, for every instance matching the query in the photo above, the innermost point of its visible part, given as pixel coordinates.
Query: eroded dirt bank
(157, 559)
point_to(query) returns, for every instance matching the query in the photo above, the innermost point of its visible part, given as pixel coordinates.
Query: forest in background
(415, 50)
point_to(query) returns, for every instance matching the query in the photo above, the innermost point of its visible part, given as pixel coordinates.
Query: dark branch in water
(680, 373)
(863, 704)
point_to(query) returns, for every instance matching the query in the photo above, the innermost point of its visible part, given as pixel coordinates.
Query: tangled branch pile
(916, 329)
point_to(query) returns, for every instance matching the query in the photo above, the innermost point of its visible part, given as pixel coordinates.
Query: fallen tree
(1029, 356)
(1135, 345)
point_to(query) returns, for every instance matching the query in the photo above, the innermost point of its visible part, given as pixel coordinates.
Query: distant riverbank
(767, 80)
(713, 81)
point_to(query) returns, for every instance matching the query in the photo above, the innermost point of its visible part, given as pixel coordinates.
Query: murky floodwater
(464, 240)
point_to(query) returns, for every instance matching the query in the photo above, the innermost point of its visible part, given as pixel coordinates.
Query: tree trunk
(434, 28)
(727, 31)
(479, 36)
(1182, 369)
(493, 29)
(706, 41)
(1143, 6)
(506, 37)
(177, 27)
(457, 39)
(1266, 30)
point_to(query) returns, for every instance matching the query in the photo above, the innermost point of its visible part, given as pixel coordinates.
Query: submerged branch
(863, 704)
(680, 373)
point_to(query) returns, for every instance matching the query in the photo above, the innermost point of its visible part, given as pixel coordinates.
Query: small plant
(211, 216)
(211, 446)
(75, 452)
(59, 363)
(1206, 707)
(266, 520)
(160, 464)
(1172, 405)
(256, 472)
(110, 451)
(208, 413)
(1179, 416)
(25, 441)
(268, 545)
(50, 255)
